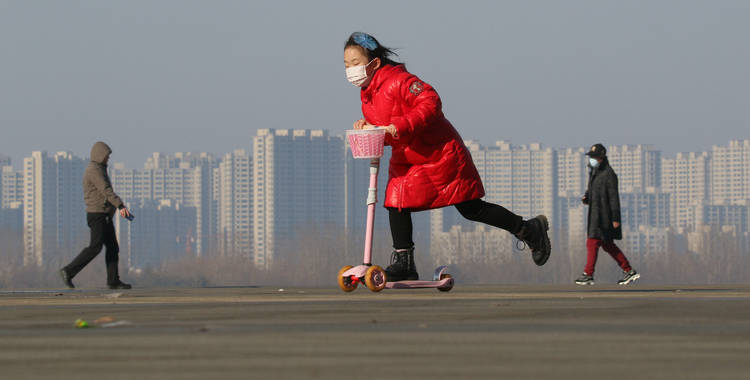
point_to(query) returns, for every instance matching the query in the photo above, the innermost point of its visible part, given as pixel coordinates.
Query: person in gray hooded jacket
(101, 205)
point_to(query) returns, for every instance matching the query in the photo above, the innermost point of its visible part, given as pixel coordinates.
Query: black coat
(603, 199)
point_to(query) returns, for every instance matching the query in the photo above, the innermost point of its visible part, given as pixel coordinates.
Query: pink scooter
(368, 144)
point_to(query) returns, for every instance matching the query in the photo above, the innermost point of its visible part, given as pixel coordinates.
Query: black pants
(102, 235)
(475, 210)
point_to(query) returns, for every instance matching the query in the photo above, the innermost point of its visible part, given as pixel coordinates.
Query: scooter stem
(372, 195)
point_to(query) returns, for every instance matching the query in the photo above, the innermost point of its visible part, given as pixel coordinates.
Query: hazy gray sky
(204, 75)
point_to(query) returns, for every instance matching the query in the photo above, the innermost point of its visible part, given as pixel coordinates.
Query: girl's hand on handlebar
(363, 124)
(360, 124)
(392, 130)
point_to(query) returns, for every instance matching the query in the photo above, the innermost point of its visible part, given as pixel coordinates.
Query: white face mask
(357, 75)
(593, 162)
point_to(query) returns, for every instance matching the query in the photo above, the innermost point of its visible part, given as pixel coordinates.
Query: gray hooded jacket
(97, 188)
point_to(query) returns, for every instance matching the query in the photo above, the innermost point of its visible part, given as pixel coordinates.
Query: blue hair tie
(365, 40)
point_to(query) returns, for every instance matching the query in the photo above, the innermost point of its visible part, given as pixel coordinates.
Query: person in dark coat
(604, 227)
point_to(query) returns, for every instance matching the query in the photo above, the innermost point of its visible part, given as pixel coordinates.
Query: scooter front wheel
(375, 278)
(346, 284)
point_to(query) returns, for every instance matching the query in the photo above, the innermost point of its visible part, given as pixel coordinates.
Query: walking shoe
(585, 279)
(119, 285)
(66, 279)
(534, 234)
(629, 277)
(402, 266)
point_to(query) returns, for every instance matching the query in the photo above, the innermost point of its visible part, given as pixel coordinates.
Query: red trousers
(592, 245)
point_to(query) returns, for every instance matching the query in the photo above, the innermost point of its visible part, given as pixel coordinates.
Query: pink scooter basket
(366, 143)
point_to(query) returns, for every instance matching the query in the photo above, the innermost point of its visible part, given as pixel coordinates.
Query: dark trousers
(102, 235)
(475, 210)
(592, 245)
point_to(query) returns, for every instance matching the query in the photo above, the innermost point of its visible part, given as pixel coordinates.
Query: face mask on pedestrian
(593, 162)
(357, 75)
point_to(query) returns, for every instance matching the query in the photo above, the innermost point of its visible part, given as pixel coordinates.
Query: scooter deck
(418, 284)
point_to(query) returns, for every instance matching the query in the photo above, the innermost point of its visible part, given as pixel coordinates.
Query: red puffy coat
(430, 166)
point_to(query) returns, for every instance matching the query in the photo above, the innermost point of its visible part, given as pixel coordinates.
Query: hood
(99, 152)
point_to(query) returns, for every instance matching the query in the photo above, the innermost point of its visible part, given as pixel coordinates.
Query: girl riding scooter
(430, 166)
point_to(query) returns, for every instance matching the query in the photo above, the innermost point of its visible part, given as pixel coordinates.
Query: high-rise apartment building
(132, 184)
(298, 182)
(686, 179)
(572, 172)
(184, 178)
(644, 241)
(11, 212)
(644, 209)
(206, 205)
(11, 234)
(521, 178)
(235, 208)
(54, 211)
(730, 173)
(11, 220)
(11, 187)
(638, 167)
(723, 215)
(163, 230)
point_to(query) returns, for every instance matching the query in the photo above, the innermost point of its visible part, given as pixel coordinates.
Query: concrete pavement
(519, 332)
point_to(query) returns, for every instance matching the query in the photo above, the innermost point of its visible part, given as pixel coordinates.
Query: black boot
(402, 266)
(67, 279)
(113, 277)
(120, 285)
(534, 233)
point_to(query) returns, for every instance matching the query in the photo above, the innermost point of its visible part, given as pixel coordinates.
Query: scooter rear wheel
(446, 288)
(344, 283)
(375, 278)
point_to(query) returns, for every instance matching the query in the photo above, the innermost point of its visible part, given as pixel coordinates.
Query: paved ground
(514, 332)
